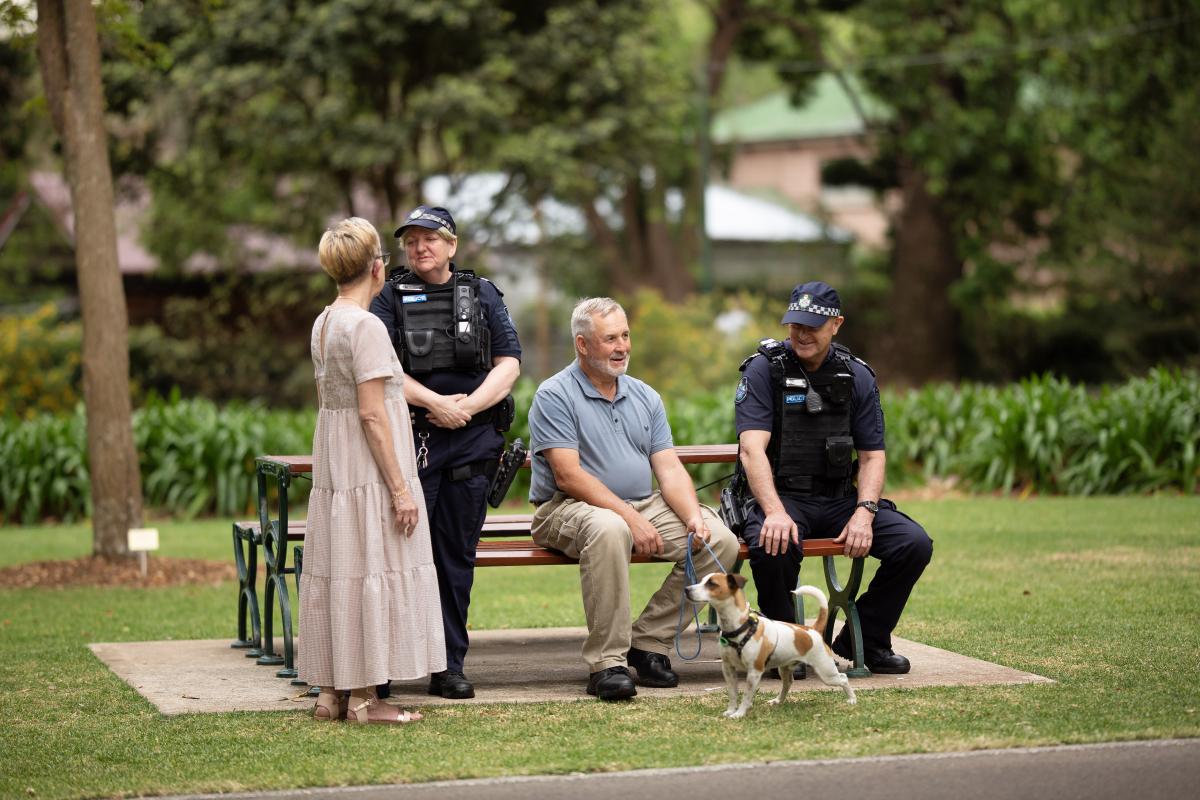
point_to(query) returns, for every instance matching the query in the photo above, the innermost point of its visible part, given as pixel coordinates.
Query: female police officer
(461, 356)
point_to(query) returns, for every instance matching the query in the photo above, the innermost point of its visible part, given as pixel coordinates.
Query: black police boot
(611, 684)
(881, 661)
(885, 662)
(653, 669)
(451, 685)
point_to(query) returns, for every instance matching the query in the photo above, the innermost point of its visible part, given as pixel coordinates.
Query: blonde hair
(442, 232)
(348, 249)
(585, 309)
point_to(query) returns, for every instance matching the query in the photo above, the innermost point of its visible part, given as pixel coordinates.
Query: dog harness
(745, 630)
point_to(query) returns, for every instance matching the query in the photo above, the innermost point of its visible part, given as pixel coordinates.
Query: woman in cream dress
(369, 609)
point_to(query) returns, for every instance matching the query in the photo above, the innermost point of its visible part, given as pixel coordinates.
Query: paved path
(1117, 771)
(509, 666)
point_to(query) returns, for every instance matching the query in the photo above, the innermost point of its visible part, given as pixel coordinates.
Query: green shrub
(195, 458)
(1041, 435)
(39, 364)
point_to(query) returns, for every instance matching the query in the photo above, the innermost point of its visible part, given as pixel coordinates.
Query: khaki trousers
(601, 541)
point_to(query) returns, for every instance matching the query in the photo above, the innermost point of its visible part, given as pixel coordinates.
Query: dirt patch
(96, 571)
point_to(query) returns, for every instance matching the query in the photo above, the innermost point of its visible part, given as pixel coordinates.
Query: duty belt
(465, 471)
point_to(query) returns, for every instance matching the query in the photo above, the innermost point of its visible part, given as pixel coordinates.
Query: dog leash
(689, 571)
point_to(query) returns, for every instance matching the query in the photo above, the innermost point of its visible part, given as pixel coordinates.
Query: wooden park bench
(505, 542)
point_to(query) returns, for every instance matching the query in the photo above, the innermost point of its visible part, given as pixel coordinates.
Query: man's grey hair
(585, 309)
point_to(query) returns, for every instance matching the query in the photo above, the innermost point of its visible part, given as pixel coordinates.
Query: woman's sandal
(362, 713)
(331, 706)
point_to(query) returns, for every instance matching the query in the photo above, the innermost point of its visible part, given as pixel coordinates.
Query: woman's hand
(404, 509)
(448, 413)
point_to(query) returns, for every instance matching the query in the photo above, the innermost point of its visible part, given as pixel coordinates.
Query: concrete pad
(507, 666)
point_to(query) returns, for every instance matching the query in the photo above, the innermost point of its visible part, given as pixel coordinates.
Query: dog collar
(745, 630)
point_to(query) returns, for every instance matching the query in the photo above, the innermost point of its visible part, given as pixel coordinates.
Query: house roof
(828, 111)
(734, 216)
(257, 250)
(730, 215)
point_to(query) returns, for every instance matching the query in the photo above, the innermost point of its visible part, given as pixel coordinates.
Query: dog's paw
(774, 701)
(736, 714)
(730, 712)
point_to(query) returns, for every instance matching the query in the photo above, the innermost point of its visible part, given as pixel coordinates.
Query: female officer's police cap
(812, 304)
(432, 217)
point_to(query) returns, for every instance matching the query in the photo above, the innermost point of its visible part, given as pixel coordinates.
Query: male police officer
(802, 409)
(461, 356)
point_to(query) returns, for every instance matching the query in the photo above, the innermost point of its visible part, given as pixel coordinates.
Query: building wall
(793, 169)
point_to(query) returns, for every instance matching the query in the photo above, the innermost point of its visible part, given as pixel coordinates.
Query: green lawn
(1102, 595)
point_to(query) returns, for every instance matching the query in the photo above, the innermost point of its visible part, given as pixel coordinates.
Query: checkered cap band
(825, 311)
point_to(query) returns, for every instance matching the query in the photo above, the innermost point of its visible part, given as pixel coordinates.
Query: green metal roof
(828, 112)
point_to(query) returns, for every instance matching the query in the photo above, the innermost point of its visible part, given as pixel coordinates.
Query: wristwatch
(869, 505)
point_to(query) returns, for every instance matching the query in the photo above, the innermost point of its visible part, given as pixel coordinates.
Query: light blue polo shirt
(614, 439)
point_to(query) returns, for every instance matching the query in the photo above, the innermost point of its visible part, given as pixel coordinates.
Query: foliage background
(1043, 435)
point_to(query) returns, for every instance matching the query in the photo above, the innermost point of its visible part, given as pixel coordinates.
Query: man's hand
(446, 412)
(858, 533)
(777, 530)
(697, 526)
(647, 541)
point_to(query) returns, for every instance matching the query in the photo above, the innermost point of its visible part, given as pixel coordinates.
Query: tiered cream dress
(369, 609)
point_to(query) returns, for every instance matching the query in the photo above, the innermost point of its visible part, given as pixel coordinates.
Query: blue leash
(689, 571)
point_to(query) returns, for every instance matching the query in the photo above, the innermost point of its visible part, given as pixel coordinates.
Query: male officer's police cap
(812, 304)
(432, 217)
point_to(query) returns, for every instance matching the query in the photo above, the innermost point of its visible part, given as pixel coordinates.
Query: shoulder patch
(743, 388)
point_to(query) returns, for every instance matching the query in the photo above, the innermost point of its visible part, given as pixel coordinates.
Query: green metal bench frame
(260, 643)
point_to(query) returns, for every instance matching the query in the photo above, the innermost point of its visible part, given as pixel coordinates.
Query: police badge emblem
(805, 300)
(743, 388)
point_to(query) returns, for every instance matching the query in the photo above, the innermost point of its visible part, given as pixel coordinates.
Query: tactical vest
(440, 328)
(811, 449)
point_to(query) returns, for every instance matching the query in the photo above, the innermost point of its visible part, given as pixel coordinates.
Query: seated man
(802, 409)
(597, 436)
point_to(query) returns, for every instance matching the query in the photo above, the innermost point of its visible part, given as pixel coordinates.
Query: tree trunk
(615, 260)
(921, 344)
(667, 269)
(69, 51)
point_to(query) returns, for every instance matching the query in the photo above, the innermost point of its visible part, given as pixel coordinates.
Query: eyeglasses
(384, 256)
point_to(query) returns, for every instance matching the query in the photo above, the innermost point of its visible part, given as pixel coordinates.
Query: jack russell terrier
(751, 642)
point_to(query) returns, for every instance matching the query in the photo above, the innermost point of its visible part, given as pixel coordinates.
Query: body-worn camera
(511, 460)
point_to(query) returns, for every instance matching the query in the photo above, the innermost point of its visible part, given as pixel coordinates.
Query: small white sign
(143, 539)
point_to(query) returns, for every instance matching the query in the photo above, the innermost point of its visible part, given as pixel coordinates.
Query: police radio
(733, 502)
(511, 460)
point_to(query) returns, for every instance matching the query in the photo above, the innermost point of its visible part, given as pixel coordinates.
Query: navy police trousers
(901, 545)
